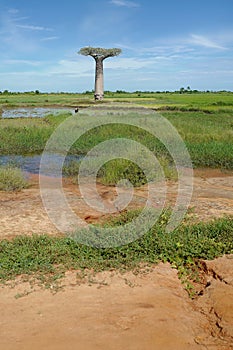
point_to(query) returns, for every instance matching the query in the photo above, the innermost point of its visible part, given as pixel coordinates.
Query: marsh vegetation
(204, 121)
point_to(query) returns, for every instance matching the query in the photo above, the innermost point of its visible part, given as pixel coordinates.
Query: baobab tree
(99, 54)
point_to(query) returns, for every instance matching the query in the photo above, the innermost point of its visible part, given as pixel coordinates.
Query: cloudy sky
(165, 44)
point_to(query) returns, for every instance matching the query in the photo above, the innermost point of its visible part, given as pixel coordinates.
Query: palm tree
(99, 54)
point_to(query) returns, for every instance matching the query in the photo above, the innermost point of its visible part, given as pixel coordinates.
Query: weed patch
(11, 179)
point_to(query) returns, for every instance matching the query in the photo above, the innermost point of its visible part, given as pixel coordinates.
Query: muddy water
(37, 112)
(31, 164)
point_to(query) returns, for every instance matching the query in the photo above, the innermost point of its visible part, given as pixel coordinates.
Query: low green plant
(12, 179)
(46, 257)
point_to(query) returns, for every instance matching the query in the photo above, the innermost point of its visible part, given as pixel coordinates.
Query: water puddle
(37, 112)
(31, 164)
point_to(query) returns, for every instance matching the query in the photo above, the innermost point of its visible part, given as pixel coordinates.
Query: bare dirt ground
(148, 311)
(23, 212)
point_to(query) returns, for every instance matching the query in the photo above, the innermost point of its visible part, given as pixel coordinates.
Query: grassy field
(26, 135)
(208, 136)
(14, 100)
(209, 102)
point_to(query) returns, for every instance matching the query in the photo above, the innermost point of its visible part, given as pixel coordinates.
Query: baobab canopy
(99, 54)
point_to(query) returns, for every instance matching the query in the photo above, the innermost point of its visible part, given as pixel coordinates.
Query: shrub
(11, 179)
(117, 169)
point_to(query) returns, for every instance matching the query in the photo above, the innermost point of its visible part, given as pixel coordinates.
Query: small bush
(11, 179)
(117, 169)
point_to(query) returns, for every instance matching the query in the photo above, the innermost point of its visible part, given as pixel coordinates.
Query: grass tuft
(11, 179)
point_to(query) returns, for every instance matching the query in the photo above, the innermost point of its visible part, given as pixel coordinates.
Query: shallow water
(31, 164)
(37, 112)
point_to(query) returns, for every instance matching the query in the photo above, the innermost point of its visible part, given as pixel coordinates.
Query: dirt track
(149, 311)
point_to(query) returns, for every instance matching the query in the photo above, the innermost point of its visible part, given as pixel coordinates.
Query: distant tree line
(182, 90)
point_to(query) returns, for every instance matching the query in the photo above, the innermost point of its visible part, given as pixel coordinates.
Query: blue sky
(165, 44)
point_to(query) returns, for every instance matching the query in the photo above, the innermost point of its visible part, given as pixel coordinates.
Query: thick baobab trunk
(99, 78)
(99, 54)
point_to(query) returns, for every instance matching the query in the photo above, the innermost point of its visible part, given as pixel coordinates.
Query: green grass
(204, 121)
(47, 257)
(24, 100)
(116, 170)
(11, 179)
(212, 101)
(27, 135)
(208, 137)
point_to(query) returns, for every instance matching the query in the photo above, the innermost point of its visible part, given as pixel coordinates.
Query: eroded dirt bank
(112, 311)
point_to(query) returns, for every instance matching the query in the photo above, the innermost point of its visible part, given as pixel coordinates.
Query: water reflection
(37, 112)
(31, 164)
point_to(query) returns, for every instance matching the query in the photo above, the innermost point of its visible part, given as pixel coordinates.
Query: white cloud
(175, 47)
(127, 63)
(85, 66)
(32, 27)
(22, 62)
(203, 41)
(133, 73)
(13, 11)
(17, 35)
(132, 63)
(49, 38)
(123, 46)
(124, 3)
(75, 67)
